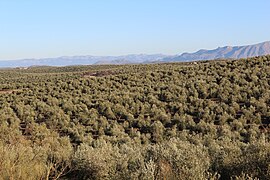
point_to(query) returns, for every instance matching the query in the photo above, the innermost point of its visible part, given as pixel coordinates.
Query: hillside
(203, 120)
(227, 52)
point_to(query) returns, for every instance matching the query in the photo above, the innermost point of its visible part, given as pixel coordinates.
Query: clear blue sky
(51, 28)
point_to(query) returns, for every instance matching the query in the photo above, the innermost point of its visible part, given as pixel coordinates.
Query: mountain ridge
(83, 60)
(226, 52)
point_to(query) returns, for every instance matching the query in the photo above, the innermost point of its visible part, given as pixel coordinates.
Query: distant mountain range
(83, 60)
(227, 52)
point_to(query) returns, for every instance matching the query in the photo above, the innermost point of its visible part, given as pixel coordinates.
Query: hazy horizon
(100, 28)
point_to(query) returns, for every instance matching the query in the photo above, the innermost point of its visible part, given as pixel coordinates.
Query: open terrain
(194, 120)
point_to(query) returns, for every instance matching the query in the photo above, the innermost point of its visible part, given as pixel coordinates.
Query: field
(197, 120)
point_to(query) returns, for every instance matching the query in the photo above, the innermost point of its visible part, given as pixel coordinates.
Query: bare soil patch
(99, 73)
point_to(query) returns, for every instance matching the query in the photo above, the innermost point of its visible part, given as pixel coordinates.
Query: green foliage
(205, 120)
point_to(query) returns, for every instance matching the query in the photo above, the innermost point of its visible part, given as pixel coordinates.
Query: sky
(53, 28)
